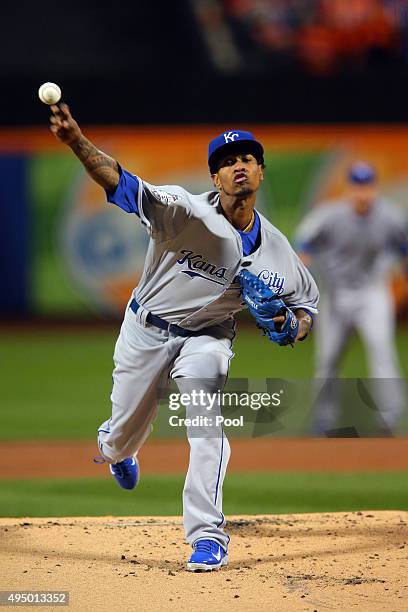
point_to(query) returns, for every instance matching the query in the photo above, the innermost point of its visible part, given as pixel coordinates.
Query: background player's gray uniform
(354, 256)
(190, 279)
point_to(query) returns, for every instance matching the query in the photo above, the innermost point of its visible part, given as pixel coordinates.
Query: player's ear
(216, 181)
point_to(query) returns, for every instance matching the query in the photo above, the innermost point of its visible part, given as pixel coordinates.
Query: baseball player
(354, 243)
(179, 322)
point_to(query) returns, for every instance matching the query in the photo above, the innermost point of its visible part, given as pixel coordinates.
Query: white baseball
(49, 93)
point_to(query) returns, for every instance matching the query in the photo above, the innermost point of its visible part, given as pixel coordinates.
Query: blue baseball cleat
(126, 472)
(208, 555)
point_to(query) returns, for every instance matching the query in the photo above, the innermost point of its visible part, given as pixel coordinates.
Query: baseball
(49, 93)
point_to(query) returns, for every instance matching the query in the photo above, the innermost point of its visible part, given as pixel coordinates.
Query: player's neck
(239, 212)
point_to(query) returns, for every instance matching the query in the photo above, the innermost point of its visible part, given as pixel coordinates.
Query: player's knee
(215, 365)
(326, 370)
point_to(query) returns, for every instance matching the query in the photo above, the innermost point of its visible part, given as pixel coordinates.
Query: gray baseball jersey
(190, 279)
(353, 256)
(194, 257)
(351, 250)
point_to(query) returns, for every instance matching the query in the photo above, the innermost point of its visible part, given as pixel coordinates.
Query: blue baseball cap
(362, 173)
(233, 141)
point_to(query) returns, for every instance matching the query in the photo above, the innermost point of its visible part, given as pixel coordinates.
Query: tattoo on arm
(305, 323)
(101, 167)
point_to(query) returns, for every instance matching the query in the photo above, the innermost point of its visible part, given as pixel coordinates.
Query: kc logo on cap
(230, 136)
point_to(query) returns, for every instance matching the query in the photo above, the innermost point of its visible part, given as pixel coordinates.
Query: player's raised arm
(101, 167)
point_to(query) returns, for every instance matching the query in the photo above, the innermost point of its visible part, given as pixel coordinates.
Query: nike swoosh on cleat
(217, 556)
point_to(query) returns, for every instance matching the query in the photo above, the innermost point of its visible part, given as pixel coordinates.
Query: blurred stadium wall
(75, 255)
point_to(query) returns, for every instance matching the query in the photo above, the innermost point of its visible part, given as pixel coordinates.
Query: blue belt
(170, 327)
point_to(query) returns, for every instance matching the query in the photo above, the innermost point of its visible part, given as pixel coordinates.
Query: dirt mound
(336, 561)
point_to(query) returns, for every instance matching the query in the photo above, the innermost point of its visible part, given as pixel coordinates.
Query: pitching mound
(311, 562)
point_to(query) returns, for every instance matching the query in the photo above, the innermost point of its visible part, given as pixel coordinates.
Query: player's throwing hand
(63, 125)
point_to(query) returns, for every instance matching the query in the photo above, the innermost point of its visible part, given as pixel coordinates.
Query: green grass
(57, 385)
(258, 493)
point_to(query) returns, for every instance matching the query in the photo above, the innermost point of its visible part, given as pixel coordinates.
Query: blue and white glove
(264, 305)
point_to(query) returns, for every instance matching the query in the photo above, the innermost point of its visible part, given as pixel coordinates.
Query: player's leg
(333, 328)
(202, 366)
(377, 328)
(142, 357)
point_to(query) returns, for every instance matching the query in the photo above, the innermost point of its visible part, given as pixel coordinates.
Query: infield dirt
(336, 561)
(73, 459)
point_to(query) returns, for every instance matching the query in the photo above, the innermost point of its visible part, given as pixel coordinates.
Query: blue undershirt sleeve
(126, 193)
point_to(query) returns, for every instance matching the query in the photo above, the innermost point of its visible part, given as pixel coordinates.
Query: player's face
(238, 175)
(363, 197)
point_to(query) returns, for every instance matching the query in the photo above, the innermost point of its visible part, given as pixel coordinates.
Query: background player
(179, 323)
(354, 243)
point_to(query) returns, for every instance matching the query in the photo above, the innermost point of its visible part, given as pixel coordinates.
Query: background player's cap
(362, 173)
(233, 141)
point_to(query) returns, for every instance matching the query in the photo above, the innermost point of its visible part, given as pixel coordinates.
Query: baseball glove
(264, 305)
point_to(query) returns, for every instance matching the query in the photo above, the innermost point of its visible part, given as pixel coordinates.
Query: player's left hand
(304, 324)
(271, 314)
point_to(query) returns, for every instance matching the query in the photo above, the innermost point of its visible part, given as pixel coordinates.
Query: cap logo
(230, 136)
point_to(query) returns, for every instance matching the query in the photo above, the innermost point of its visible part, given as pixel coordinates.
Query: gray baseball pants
(370, 312)
(145, 359)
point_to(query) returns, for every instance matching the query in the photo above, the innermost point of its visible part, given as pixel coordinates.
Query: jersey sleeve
(162, 210)
(311, 233)
(398, 232)
(305, 295)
